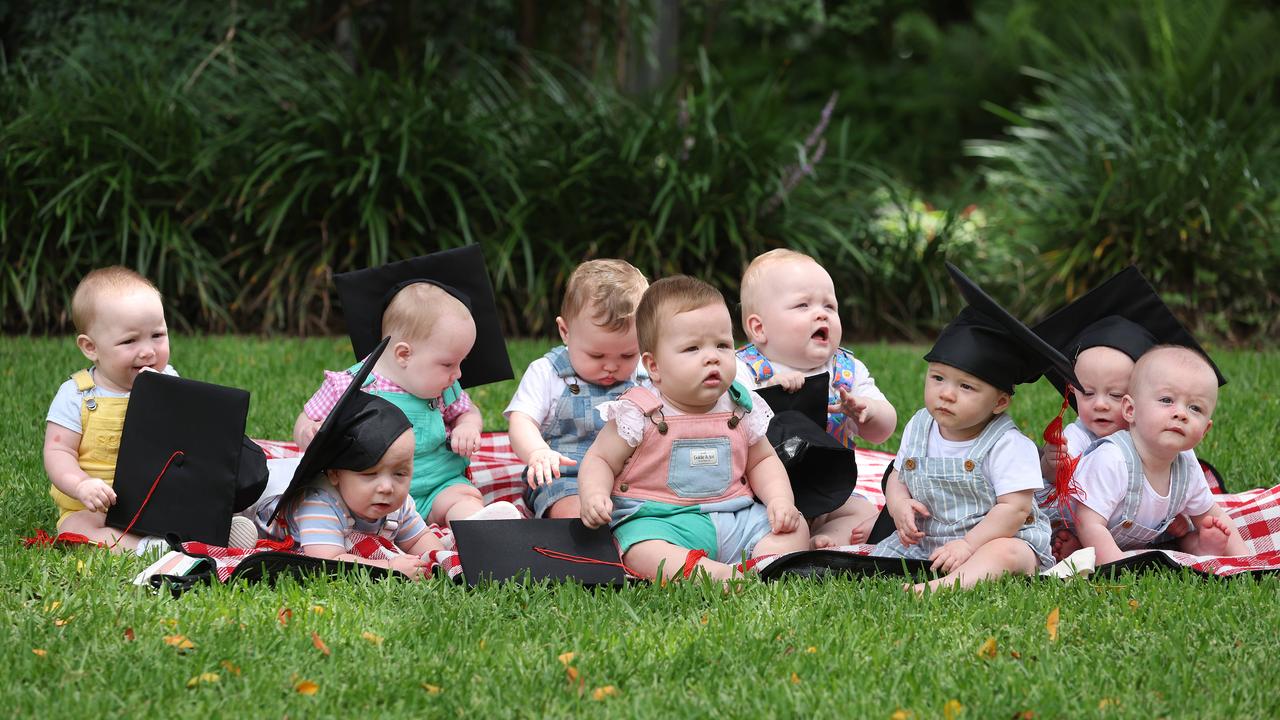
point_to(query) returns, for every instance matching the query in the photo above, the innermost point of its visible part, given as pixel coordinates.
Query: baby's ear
(1002, 403)
(754, 327)
(87, 347)
(650, 365)
(563, 327)
(402, 352)
(1126, 408)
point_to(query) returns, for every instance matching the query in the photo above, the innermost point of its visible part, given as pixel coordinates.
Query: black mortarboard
(354, 436)
(539, 549)
(987, 342)
(179, 459)
(822, 471)
(461, 273)
(1124, 313)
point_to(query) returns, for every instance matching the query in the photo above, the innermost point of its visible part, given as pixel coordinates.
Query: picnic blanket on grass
(496, 472)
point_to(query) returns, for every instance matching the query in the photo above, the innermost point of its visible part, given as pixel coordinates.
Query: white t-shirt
(1012, 464)
(65, 408)
(1078, 438)
(539, 390)
(1103, 477)
(630, 419)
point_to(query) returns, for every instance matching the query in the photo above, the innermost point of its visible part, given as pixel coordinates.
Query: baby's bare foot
(1214, 535)
(1064, 543)
(818, 542)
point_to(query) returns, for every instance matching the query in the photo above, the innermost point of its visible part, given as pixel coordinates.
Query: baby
(1134, 483)
(553, 417)
(790, 315)
(120, 320)
(353, 481)
(431, 332)
(673, 471)
(961, 495)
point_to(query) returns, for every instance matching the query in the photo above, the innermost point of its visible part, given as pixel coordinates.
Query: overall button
(968, 466)
(624, 487)
(910, 464)
(1127, 524)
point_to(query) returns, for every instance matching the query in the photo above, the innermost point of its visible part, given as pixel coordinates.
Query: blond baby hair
(609, 289)
(668, 297)
(98, 283)
(752, 289)
(412, 313)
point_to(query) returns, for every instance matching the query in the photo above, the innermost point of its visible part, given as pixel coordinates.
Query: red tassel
(1064, 485)
(557, 555)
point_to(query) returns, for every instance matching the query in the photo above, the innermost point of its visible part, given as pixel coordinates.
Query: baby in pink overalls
(678, 468)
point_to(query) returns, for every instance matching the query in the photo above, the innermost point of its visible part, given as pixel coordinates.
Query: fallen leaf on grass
(39, 652)
(482, 643)
(988, 649)
(319, 644)
(952, 709)
(207, 677)
(601, 693)
(306, 687)
(572, 673)
(432, 689)
(375, 639)
(80, 566)
(59, 622)
(317, 609)
(1133, 604)
(811, 649)
(1051, 624)
(1024, 715)
(565, 658)
(795, 679)
(283, 616)
(179, 641)
(53, 605)
(230, 667)
(128, 634)
(901, 714)
(1105, 703)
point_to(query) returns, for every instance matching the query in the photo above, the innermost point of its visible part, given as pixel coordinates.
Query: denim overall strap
(1126, 529)
(573, 423)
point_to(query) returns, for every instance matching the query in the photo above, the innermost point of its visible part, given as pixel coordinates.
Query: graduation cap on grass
(540, 549)
(180, 458)
(460, 272)
(1124, 313)
(354, 436)
(986, 341)
(822, 471)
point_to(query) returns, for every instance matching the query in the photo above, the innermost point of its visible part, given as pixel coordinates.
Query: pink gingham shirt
(335, 383)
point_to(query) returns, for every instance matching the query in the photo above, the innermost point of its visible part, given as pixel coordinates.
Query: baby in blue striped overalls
(962, 492)
(1134, 483)
(552, 417)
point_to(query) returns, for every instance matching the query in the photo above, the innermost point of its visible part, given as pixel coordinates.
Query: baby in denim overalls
(431, 332)
(120, 320)
(552, 417)
(1134, 483)
(962, 492)
(790, 315)
(676, 470)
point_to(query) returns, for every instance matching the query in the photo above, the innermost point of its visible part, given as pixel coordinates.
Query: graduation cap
(539, 549)
(1124, 313)
(354, 436)
(822, 471)
(180, 459)
(460, 272)
(984, 340)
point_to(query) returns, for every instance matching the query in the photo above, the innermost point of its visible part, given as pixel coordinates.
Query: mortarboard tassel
(557, 555)
(143, 506)
(1064, 485)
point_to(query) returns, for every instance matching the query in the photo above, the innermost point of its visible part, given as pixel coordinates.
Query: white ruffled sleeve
(758, 419)
(627, 416)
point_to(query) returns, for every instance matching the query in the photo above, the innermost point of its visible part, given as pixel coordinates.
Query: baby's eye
(724, 346)
(1194, 408)
(802, 305)
(628, 356)
(594, 356)
(691, 348)
(1087, 393)
(966, 386)
(936, 378)
(1116, 395)
(128, 341)
(1166, 399)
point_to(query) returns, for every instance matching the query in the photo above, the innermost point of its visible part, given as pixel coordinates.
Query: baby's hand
(95, 494)
(951, 556)
(411, 565)
(307, 435)
(1050, 457)
(464, 440)
(852, 406)
(544, 466)
(596, 510)
(790, 381)
(783, 518)
(904, 519)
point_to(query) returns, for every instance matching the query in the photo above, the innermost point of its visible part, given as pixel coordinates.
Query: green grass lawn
(81, 641)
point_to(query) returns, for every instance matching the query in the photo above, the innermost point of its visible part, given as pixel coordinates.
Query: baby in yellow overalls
(121, 330)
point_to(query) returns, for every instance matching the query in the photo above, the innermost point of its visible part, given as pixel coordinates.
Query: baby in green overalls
(431, 332)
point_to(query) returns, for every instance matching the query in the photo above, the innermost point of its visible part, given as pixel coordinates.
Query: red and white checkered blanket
(371, 547)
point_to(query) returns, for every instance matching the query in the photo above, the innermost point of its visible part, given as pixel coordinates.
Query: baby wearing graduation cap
(674, 471)
(962, 491)
(434, 329)
(353, 481)
(1103, 333)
